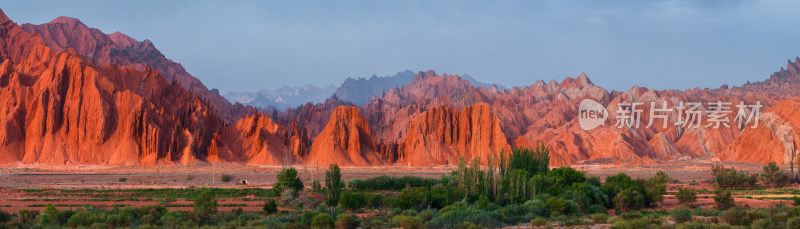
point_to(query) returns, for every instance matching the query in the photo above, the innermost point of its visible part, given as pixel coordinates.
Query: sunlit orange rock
(346, 140)
(444, 135)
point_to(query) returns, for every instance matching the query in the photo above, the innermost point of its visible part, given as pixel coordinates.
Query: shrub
(653, 190)
(45, 220)
(739, 216)
(82, 218)
(681, 214)
(270, 206)
(288, 196)
(563, 178)
(628, 199)
(483, 202)
(772, 176)
(333, 179)
(375, 222)
(410, 198)
(629, 194)
(373, 200)
(538, 222)
(189, 177)
(352, 201)
(322, 221)
(555, 206)
(149, 220)
(62, 216)
(469, 225)
(594, 209)
(122, 179)
(793, 222)
(456, 214)
(406, 222)
(4, 216)
(796, 201)
(598, 217)
(630, 215)
(641, 222)
(662, 176)
(119, 220)
(535, 207)
(723, 199)
(205, 206)
(226, 177)
(569, 221)
(762, 223)
(731, 178)
(707, 212)
(287, 178)
(385, 182)
(589, 195)
(173, 219)
(686, 195)
(347, 221)
(426, 215)
(50, 210)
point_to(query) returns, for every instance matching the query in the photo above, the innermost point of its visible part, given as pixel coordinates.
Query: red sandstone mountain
(442, 135)
(60, 108)
(73, 112)
(259, 140)
(118, 48)
(775, 139)
(346, 140)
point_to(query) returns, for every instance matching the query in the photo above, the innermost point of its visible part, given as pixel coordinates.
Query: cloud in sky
(252, 45)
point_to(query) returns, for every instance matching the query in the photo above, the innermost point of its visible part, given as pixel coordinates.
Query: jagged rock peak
(583, 79)
(425, 74)
(793, 67)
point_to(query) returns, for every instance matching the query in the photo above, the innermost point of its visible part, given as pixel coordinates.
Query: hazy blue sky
(252, 45)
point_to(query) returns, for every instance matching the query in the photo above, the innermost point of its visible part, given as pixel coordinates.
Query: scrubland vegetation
(518, 190)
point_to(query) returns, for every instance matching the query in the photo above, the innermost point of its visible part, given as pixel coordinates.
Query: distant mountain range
(282, 98)
(354, 90)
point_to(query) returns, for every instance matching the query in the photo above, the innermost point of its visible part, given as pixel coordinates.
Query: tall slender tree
(333, 183)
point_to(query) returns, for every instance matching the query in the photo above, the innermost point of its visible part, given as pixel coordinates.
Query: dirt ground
(16, 177)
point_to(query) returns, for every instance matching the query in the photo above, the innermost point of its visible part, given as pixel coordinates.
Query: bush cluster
(686, 195)
(386, 182)
(732, 178)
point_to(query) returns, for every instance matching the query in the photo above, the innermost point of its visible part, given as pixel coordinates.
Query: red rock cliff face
(775, 139)
(443, 135)
(118, 48)
(62, 109)
(256, 139)
(73, 112)
(346, 140)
